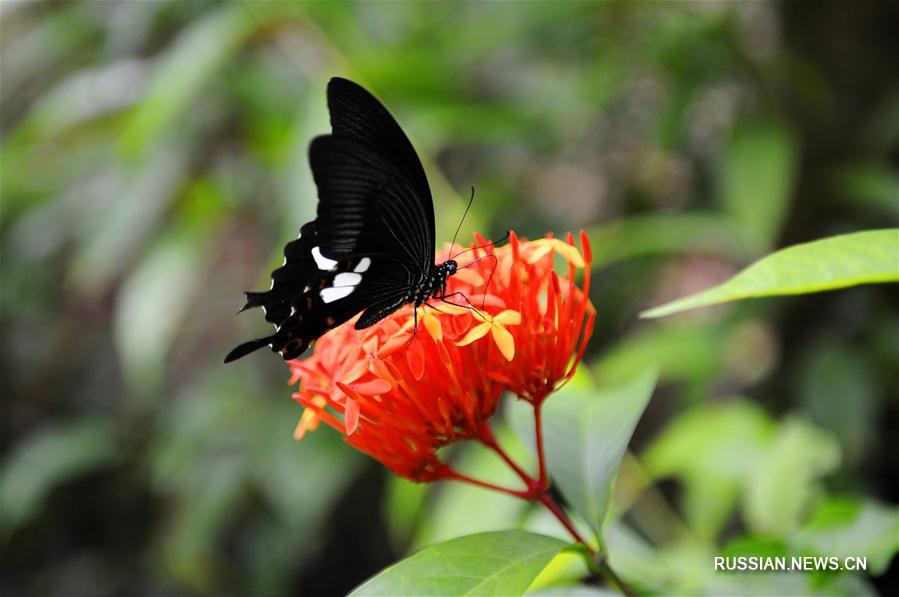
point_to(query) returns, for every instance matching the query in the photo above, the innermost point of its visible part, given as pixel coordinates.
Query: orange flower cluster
(400, 398)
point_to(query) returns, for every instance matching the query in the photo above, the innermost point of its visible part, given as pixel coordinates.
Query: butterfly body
(434, 285)
(370, 248)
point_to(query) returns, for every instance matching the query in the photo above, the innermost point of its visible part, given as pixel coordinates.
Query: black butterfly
(371, 248)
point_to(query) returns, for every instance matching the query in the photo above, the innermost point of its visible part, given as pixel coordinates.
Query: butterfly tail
(248, 347)
(254, 299)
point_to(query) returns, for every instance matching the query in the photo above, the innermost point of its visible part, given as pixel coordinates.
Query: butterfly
(371, 247)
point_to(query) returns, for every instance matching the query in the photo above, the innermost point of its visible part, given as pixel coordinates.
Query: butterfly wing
(357, 114)
(373, 239)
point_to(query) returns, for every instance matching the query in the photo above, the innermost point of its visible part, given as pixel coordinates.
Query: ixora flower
(399, 392)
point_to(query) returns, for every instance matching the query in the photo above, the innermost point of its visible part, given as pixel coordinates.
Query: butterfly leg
(478, 312)
(414, 325)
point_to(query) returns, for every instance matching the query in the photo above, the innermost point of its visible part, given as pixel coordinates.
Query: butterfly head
(450, 267)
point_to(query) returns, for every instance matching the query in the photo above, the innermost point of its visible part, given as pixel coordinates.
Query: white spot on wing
(329, 295)
(321, 261)
(347, 279)
(363, 266)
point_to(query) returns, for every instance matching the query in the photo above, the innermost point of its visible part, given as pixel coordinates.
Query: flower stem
(486, 437)
(455, 475)
(538, 491)
(559, 513)
(543, 478)
(596, 558)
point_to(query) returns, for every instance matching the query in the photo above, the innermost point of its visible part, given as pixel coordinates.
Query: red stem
(486, 437)
(559, 513)
(455, 475)
(537, 490)
(543, 478)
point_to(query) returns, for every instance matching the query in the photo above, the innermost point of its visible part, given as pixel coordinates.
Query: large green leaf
(498, 563)
(586, 434)
(827, 264)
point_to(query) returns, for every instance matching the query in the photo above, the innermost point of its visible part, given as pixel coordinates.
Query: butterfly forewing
(357, 114)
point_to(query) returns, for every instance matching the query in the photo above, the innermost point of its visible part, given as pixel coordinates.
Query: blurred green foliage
(153, 166)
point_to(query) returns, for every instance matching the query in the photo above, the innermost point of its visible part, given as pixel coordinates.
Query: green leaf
(498, 563)
(758, 179)
(191, 61)
(782, 485)
(827, 264)
(150, 310)
(712, 450)
(832, 372)
(654, 234)
(682, 353)
(847, 527)
(586, 434)
(46, 459)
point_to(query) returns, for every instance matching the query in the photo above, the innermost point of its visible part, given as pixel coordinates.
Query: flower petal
(415, 358)
(432, 324)
(569, 252)
(451, 309)
(351, 416)
(308, 422)
(489, 300)
(539, 249)
(372, 388)
(469, 276)
(508, 317)
(357, 370)
(504, 341)
(475, 333)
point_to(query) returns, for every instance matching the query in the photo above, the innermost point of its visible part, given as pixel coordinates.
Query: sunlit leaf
(586, 435)
(711, 451)
(783, 483)
(498, 563)
(836, 262)
(851, 527)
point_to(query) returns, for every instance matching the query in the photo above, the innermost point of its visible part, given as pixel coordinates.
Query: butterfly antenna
(489, 279)
(467, 207)
(485, 245)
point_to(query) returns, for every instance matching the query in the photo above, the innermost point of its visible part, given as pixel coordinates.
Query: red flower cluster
(400, 401)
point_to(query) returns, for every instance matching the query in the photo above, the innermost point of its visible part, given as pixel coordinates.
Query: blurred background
(154, 165)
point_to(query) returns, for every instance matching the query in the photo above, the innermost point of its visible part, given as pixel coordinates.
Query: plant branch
(595, 557)
(537, 491)
(486, 437)
(455, 475)
(543, 478)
